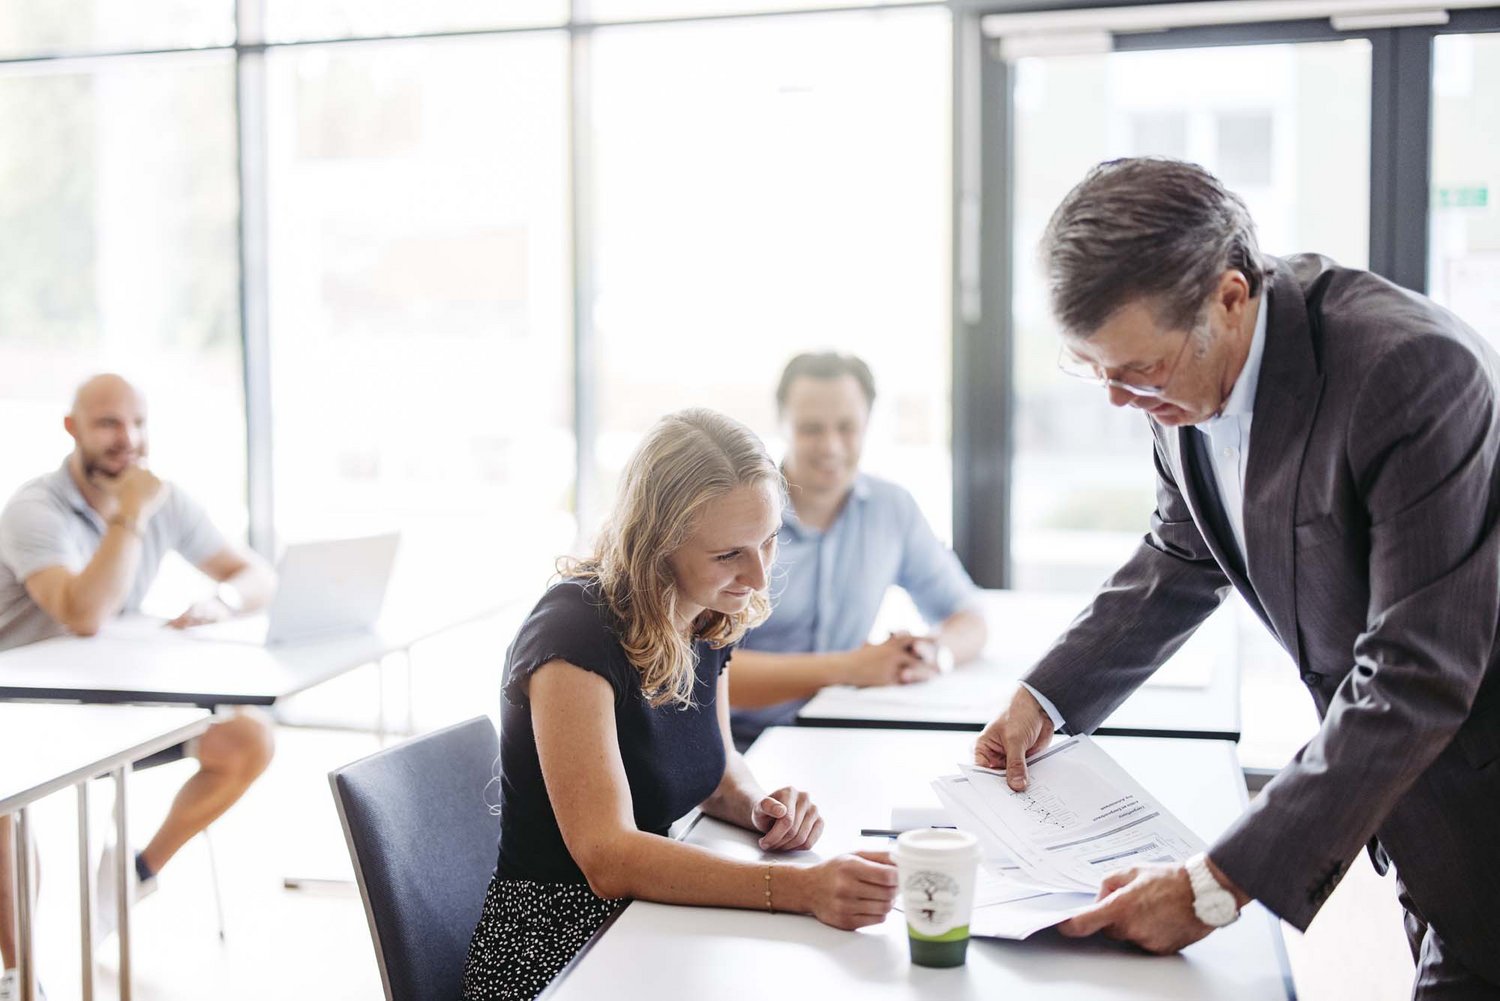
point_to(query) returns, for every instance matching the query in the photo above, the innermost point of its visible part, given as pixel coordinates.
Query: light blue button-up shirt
(1228, 437)
(827, 586)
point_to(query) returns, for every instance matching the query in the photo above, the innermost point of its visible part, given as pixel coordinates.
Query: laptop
(324, 589)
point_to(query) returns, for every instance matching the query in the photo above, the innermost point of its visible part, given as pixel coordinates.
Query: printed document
(1081, 818)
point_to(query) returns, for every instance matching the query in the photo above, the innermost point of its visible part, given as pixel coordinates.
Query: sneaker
(106, 892)
(10, 987)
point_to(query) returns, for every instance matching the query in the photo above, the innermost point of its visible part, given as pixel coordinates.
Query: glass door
(1285, 126)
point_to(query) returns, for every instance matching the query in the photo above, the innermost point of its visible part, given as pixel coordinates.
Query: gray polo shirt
(49, 524)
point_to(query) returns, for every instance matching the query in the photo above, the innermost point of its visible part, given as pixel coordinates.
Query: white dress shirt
(1229, 434)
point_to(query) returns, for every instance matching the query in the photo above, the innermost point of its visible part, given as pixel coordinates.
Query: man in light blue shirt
(845, 537)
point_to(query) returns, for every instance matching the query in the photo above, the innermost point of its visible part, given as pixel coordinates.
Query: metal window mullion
(983, 394)
(580, 208)
(1413, 156)
(1400, 153)
(250, 117)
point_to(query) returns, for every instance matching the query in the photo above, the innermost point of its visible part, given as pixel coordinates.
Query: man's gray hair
(1151, 229)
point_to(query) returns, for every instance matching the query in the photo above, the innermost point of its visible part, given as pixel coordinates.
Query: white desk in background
(652, 951)
(47, 748)
(135, 659)
(1195, 694)
(139, 660)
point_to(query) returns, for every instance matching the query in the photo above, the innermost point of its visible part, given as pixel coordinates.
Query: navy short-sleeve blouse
(673, 757)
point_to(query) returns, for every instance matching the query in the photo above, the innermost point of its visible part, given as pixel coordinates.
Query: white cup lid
(936, 844)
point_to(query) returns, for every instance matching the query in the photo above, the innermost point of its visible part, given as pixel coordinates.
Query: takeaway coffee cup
(936, 868)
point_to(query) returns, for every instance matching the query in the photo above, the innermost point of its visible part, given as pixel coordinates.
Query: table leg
(85, 894)
(25, 943)
(123, 862)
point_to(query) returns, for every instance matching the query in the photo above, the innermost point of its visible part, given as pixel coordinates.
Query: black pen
(881, 832)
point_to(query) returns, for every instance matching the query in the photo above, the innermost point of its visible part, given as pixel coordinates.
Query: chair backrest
(423, 843)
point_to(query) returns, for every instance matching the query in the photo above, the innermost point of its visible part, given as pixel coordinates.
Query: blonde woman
(615, 722)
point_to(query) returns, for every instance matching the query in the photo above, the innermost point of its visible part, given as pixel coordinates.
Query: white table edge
(107, 764)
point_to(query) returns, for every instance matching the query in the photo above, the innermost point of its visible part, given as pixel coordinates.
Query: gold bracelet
(769, 908)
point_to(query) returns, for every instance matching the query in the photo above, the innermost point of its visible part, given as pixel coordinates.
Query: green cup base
(925, 952)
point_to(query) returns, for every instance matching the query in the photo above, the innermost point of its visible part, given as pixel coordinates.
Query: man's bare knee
(241, 746)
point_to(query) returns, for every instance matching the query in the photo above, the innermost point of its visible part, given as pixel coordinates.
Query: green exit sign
(1473, 197)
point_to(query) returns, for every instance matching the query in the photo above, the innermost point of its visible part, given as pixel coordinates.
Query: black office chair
(423, 844)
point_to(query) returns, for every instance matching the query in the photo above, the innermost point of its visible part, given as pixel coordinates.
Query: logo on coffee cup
(932, 898)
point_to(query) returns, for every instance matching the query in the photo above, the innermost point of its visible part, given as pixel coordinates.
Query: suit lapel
(1286, 402)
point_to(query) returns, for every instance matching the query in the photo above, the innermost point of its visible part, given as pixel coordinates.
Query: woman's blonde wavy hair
(686, 461)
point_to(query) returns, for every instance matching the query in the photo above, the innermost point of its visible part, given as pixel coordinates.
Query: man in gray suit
(1361, 528)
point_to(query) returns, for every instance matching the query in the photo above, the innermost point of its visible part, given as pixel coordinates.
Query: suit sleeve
(1139, 618)
(1422, 447)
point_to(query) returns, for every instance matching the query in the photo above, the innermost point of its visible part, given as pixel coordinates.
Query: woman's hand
(851, 891)
(788, 820)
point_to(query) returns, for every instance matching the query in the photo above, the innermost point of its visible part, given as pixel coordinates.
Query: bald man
(80, 546)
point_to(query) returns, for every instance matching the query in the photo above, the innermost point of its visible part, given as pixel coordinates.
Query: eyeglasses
(1081, 368)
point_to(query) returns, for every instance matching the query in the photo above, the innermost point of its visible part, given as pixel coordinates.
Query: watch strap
(1212, 903)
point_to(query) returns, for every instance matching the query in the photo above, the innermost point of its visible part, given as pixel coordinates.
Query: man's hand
(1023, 729)
(201, 613)
(134, 495)
(888, 663)
(1151, 905)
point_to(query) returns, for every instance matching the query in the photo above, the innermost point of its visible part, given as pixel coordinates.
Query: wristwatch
(1213, 904)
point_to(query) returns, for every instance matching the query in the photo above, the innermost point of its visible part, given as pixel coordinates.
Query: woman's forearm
(645, 866)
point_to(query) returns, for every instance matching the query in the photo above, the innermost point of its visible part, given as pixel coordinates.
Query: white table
(47, 748)
(1195, 694)
(139, 660)
(652, 951)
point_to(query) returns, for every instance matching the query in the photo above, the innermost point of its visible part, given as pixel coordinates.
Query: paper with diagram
(1081, 818)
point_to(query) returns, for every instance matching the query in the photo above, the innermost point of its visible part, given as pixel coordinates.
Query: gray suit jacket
(1371, 509)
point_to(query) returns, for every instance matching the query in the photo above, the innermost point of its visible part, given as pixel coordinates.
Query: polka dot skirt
(527, 933)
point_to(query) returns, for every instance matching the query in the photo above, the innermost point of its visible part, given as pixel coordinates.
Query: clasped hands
(903, 658)
(788, 821)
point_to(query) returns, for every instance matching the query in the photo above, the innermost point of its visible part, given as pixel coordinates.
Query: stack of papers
(1046, 850)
